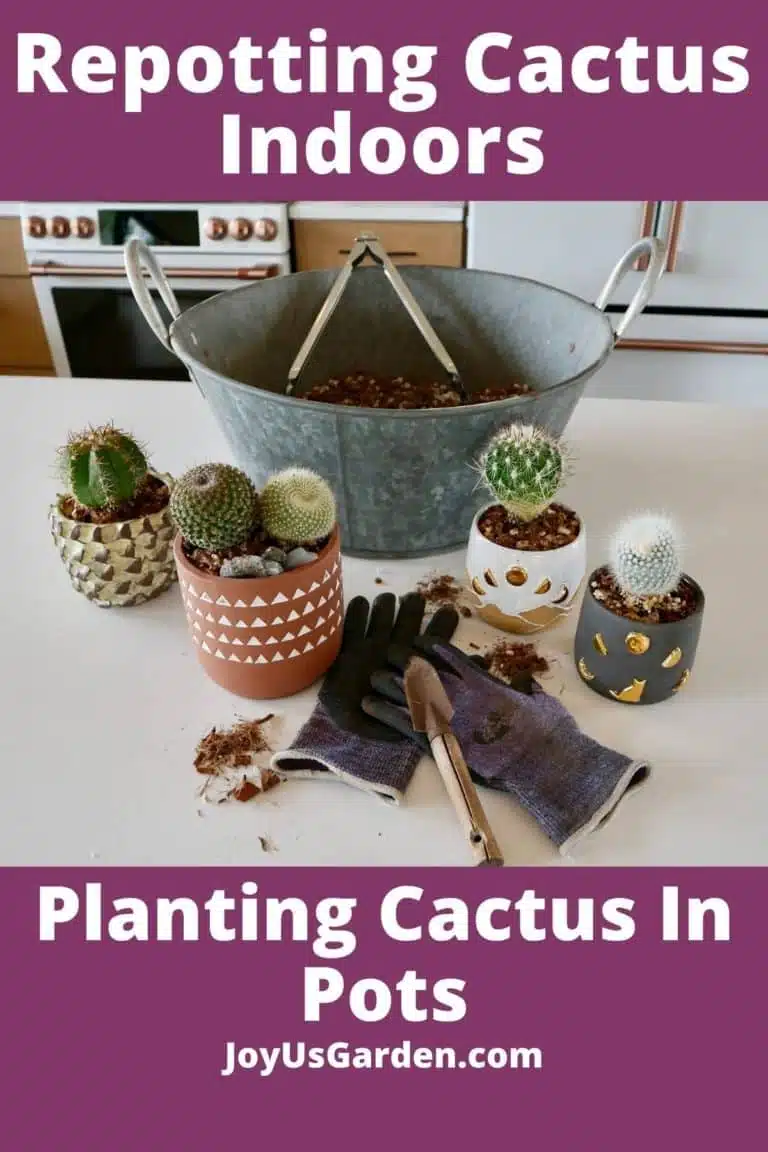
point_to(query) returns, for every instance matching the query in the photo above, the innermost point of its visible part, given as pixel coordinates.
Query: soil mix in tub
(362, 390)
(554, 528)
(677, 605)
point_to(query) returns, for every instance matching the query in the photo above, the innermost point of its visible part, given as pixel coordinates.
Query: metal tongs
(368, 245)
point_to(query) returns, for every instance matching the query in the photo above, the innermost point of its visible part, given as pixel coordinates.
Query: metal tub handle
(368, 245)
(138, 256)
(655, 252)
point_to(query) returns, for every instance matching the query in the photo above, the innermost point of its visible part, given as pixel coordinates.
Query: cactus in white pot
(526, 554)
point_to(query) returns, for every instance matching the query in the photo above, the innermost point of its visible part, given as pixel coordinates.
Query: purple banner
(542, 1008)
(392, 101)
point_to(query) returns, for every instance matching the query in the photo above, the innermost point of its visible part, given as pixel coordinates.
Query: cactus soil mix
(152, 496)
(556, 527)
(361, 390)
(675, 606)
(209, 561)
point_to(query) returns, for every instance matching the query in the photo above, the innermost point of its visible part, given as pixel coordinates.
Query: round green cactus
(214, 506)
(523, 468)
(645, 556)
(298, 507)
(102, 467)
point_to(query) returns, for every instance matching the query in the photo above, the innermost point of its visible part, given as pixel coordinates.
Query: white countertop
(102, 709)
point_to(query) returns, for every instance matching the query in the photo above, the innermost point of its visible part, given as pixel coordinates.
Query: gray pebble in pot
(298, 556)
(243, 567)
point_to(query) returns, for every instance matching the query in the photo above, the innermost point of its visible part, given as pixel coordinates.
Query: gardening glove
(516, 739)
(339, 741)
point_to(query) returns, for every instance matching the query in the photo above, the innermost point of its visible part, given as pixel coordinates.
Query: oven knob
(240, 229)
(58, 226)
(215, 228)
(265, 229)
(83, 227)
(35, 226)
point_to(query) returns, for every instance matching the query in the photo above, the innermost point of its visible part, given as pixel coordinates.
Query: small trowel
(431, 712)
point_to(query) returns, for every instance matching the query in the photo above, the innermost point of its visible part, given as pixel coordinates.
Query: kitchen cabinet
(326, 243)
(717, 263)
(23, 346)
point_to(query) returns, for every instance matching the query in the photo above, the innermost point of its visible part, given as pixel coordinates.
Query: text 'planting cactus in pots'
(646, 557)
(298, 507)
(112, 526)
(523, 468)
(215, 506)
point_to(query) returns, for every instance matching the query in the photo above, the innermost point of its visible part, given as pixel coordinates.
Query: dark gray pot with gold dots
(641, 617)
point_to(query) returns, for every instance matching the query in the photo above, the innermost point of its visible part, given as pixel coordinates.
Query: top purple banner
(374, 102)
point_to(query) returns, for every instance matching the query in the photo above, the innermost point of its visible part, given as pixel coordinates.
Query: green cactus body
(214, 506)
(102, 467)
(523, 469)
(645, 557)
(298, 507)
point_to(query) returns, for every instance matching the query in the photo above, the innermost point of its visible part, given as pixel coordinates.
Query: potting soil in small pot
(526, 557)
(640, 619)
(260, 576)
(113, 529)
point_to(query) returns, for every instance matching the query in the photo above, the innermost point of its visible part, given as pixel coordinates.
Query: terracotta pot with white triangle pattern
(266, 637)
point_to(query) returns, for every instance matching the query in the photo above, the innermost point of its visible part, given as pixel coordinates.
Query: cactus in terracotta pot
(215, 506)
(298, 507)
(264, 622)
(112, 526)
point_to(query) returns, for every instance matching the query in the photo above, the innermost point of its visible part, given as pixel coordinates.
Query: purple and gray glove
(517, 739)
(340, 741)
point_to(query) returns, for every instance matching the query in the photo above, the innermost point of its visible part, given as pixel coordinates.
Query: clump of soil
(223, 753)
(361, 390)
(510, 658)
(256, 545)
(439, 590)
(151, 496)
(676, 605)
(554, 528)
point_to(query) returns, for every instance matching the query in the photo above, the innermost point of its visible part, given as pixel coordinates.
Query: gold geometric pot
(117, 565)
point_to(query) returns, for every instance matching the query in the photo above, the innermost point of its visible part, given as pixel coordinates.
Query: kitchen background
(66, 308)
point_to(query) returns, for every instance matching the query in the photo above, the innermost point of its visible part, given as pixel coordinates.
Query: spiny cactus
(102, 467)
(645, 556)
(523, 467)
(298, 507)
(214, 506)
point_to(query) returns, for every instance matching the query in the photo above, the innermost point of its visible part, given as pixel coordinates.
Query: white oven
(75, 255)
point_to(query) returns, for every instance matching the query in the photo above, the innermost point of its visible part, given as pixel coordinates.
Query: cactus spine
(646, 557)
(102, 467)
(298, 507)
(523, 468)
(214, 506)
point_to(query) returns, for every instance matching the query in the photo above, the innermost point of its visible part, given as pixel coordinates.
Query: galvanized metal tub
(404, 479)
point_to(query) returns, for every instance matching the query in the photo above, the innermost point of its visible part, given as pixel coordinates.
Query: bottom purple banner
(184, 1009)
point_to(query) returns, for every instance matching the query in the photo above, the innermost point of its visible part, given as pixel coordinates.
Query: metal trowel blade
(431, 710)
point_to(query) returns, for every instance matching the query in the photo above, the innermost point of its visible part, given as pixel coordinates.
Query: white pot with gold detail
(520, 590)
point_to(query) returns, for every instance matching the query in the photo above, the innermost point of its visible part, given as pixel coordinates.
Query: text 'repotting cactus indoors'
(102, 467)
(646, 557)
(523, 467)
(214, 506)
(298, 507)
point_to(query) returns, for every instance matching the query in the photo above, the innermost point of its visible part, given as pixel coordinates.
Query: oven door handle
(258, 272)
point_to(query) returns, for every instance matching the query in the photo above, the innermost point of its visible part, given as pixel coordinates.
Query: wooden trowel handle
(466, 802)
